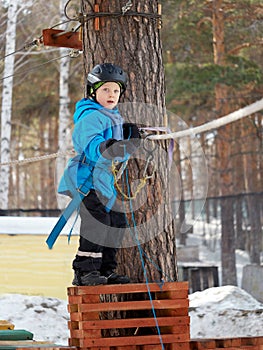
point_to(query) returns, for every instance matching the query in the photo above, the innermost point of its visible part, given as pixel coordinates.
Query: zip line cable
(26, 46)
(36, 42)
(72, 54)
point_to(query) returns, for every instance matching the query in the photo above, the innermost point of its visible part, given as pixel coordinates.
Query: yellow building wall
(28, 266)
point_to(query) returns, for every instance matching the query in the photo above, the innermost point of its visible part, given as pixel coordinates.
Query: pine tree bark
(133, 42)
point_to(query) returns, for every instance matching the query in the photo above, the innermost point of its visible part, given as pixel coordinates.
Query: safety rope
(141, 253)
(241, 113)
(214, 124)
(37, 159)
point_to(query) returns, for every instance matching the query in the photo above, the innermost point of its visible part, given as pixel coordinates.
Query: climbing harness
(146, 175)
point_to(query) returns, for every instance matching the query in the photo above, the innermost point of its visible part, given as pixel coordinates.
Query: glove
(130, 131)
(113, 148)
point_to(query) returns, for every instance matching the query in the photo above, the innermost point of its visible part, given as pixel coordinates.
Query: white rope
(36, 159)
(241, 113)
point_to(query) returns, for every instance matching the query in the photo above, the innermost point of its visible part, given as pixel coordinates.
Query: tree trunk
(64, 112)
(7, 93)
(228, 258)
(134, 43)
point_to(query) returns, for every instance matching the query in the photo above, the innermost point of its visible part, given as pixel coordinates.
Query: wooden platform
(121, 317)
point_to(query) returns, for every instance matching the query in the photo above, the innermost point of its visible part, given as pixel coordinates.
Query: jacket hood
(89, 105)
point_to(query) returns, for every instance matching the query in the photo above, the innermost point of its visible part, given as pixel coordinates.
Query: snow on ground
(226, 311)
(215, 312)
(45, 317)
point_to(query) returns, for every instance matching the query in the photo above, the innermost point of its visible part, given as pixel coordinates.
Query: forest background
(197, 85)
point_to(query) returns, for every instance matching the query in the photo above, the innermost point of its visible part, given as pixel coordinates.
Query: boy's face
(108, 95)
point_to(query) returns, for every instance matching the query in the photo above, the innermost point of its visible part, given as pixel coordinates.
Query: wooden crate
(120, 317)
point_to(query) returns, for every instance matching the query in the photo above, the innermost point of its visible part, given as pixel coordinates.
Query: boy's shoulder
(86, 108)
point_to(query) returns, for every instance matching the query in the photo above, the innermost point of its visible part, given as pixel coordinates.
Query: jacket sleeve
(91, 134)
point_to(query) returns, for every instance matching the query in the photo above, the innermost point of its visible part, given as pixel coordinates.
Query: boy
(100, 137)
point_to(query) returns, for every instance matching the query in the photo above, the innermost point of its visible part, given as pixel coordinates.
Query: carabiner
(145, 176)
(148, 149)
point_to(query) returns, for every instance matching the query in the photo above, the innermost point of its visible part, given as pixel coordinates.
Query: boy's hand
(132, 139)
(130, 131)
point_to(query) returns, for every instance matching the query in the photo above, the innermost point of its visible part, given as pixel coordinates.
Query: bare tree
(7, 93)
(64, 99)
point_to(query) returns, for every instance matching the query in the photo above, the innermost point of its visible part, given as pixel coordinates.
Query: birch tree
(64, 112)
(7, 93)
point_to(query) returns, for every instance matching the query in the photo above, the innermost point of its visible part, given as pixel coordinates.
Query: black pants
(101, 233)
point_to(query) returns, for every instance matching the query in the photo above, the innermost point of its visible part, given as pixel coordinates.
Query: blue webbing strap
(72, 206)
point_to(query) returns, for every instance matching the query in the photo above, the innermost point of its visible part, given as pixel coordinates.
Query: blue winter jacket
(93, 124)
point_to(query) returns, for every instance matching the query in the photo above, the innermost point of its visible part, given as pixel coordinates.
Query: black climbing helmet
(104, 73)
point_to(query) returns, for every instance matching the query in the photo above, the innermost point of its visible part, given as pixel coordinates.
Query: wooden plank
(174, 313)
(133, 340)
(4, 325)
(251, 341)
(201, 344)
(134, 322)
(179, 294)
(81, 299)
(130, 347)
(179, 346)
(223, 343)
(175, 346)
(128, 288)
(84, 316)
(236, 342)
(131, 305)
(91, 333)
(86, 299)
(245, 343)
(74, 342)
(179, 329)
